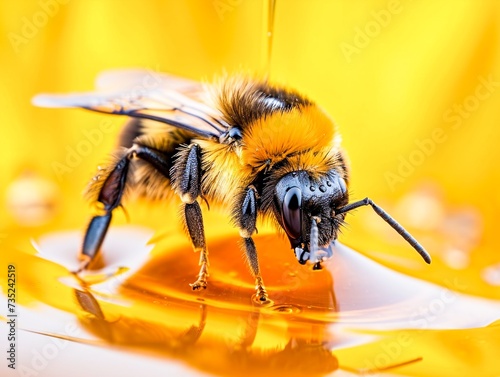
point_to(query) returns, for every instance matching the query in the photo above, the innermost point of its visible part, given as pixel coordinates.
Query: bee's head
(305, 208)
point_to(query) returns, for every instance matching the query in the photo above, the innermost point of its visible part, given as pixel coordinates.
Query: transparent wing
(150, 95)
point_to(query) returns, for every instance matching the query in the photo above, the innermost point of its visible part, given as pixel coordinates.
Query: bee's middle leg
(194, 224)
(186, 180)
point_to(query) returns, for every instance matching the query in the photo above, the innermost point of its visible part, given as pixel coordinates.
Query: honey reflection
(205, 344)
(221, 331)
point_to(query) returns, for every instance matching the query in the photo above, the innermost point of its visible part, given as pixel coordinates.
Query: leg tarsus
(260, 291)
(84, 262)
(201, 282)
(261, 295)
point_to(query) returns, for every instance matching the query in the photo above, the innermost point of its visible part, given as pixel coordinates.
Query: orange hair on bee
(305, 135)
(282, 131)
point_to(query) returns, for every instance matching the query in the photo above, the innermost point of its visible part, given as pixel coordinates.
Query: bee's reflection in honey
(221, 332)
(292, 349)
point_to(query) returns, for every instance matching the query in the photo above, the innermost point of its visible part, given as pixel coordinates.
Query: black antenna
(388, 219)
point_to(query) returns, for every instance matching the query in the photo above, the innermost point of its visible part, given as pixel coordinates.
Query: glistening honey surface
(354, 316)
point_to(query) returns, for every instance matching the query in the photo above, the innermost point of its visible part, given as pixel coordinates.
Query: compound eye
(291, 212)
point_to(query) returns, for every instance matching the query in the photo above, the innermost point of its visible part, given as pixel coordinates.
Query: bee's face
(299, 200)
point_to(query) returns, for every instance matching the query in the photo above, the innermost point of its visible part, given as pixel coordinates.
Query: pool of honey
(353, 317)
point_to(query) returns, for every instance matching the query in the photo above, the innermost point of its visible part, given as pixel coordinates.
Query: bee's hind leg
(186, 180)
(110, 196)
(245, 217)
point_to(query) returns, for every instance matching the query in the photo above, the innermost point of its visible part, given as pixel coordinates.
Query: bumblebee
(260, 149)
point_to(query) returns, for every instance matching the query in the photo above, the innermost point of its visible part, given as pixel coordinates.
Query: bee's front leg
(186, 181)
(245, 217)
